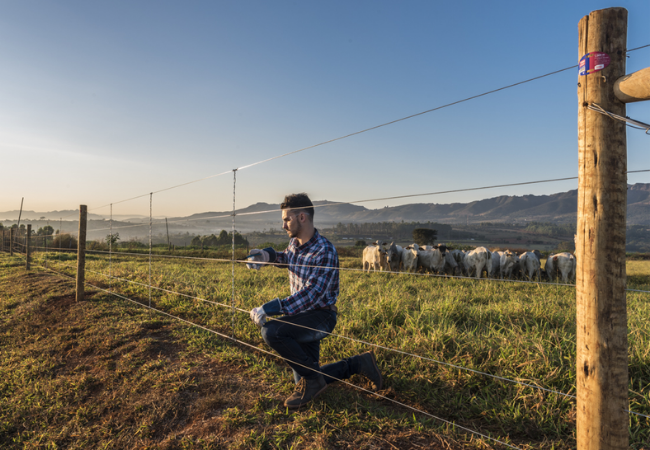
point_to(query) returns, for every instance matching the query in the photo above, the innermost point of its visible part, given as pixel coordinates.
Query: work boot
(367, 366)
(307, 389)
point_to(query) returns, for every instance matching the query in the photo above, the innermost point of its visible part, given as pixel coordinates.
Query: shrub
(111, 240)
(64, 241)
(134, 243)
(424, 236)
(43, 231)
(564, 246)
(97, 245)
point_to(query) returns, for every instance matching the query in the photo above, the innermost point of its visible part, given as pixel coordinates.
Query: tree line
(22, 230)
(224, 238)
(552, 229)
(390, 230)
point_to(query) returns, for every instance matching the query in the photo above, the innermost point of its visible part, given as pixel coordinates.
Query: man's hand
(257, 255)
(258, 316)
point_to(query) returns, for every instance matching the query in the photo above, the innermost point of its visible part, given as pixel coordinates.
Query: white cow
(459, 257)
(374, 256)
(394, 257)
(410, 258)
(441, 247)
(451, 266)
(495, 266)
(477, 260)
(508, 263)
(431, 260)
(530, 266)
(561, 264)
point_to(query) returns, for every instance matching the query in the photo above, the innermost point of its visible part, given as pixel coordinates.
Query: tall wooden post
(11, 242)
(28, 252)
(81, 252)
(602, 366)
(2, 245)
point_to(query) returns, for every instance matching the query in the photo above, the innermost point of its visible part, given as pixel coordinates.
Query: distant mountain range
(66, 214)
(557, 208)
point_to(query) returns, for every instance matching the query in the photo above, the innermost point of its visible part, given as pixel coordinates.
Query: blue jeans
(301, 346)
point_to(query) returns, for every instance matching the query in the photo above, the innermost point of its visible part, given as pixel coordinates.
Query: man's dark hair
(299, 203)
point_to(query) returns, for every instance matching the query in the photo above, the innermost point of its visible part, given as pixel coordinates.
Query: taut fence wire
(353, 339)
(251, 346)
(360, 341)
(447, 105)
(233, 261)
(341, 269)
(396, 197)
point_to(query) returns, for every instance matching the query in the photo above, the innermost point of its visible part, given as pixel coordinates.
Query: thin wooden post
(28, 253)
(169, 246)
(602, 366)
(11, 242)
(81, 252)
(2, 245)
(234, 212)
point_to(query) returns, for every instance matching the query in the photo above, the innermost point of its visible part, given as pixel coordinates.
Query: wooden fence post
(601, 356)
(11, 242)
(28, 253)
(81, 252)
(2, 245)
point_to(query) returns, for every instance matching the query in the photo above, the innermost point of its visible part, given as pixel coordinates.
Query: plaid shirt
(315, 286)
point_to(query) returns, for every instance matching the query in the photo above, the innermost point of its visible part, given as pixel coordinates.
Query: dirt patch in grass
(106, 374)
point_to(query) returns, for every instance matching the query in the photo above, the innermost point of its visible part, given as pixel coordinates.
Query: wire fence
(364, 342)
(21, 249)
(376, 394)
(255, 348)
(340, 269)
(22, 246)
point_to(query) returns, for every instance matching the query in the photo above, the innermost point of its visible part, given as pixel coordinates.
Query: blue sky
(102, 101)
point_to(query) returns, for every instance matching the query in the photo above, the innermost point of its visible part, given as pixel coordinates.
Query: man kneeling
(309, 313)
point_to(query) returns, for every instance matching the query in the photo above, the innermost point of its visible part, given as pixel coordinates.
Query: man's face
(291, 222)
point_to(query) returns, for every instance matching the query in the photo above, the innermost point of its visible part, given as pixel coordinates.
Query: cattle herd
(438, 259)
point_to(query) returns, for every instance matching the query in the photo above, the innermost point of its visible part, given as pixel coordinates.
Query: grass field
(524, 332)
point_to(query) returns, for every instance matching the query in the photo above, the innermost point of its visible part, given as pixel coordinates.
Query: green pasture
(521, 331)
